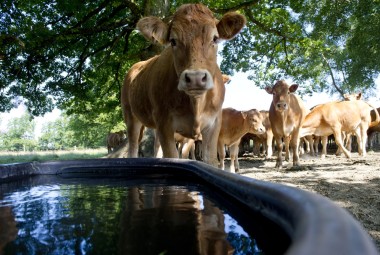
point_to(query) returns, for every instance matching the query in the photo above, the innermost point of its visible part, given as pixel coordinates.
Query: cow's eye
(173, 42)
(215, 39)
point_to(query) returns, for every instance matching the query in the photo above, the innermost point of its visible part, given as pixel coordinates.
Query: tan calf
(286, 113)
(235, 124)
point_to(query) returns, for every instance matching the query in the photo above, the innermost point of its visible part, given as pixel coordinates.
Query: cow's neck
(197, 103)
(284, 118)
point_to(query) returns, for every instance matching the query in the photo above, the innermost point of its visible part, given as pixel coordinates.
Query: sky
(242, 94)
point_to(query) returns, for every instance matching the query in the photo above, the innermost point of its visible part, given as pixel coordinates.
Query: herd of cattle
(180, 93)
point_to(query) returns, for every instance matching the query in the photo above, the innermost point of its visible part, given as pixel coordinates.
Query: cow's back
(232, 123)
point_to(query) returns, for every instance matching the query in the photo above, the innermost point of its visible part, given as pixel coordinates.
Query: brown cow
(181, 90)
(114, 140)
(235, 124)
(286, 113)
(337, 117)
(372, 130)
(265, 139)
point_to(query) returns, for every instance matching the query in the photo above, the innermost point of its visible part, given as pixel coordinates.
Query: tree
(55, 135)
(315, 43)
(20, 134)
(77, 131)
(74, 54)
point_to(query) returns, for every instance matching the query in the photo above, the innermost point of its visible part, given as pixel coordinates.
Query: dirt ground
(353, 184)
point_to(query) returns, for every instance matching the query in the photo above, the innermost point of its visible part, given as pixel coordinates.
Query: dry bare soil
(353, 184)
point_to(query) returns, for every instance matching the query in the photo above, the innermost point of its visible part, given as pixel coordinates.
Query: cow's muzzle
(281, 106)
(195, 82)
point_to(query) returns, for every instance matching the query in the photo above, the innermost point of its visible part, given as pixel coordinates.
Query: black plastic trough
(313, 223)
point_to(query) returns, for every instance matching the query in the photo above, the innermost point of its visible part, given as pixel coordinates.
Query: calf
(181, 90)
(114, 140)
(266, 138)
(235, 124)
(286, 113)
(337, 117)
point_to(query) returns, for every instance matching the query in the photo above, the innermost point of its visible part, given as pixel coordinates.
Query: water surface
(113, 216)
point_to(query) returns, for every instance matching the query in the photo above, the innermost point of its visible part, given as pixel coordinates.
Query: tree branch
(263, 27)
(332, 76)
(244, 5)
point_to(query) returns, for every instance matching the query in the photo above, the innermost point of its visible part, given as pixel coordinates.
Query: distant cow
(235, 124)
(266, 138)
(372, 130)
(337, 117)
(286, 113)
(114, 140)
(181, 90)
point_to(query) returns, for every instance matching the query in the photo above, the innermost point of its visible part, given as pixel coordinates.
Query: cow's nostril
(204, 79)
(187, 79)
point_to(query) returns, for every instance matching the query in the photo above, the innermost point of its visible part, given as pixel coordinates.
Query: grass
(8, 157)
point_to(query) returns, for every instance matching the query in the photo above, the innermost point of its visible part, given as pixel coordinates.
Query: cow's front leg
(166, 138)
(134, 129)
(209, 142)
(279, 145)
(287, 152)
(295, 143)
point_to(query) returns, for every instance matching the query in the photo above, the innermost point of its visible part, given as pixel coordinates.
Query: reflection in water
(115, 218)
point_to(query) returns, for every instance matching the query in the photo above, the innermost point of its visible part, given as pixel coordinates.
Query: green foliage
(19, 135)
(74, 54)
(315, 43)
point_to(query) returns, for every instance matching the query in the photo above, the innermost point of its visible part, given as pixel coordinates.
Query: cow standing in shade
(181, 90)
(114, 140)
(286, 113)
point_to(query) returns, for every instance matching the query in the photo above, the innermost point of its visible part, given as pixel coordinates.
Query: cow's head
(254, 119)
(281, 94)
(193, 35)
(352, 97)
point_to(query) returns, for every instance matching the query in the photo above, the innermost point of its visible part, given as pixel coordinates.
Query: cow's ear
(230, 25)
(153, 29)
(293, 88)
(226, 78)
(244, 114)
(269, 90)
(359, 96)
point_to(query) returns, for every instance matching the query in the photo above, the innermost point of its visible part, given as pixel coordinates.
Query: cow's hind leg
(324, 146)
(221, 153)
(339, 142)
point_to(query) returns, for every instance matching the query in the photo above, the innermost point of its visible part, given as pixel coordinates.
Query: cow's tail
(377, 117)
